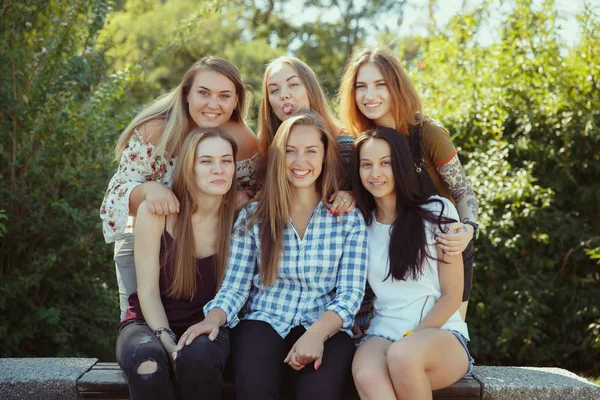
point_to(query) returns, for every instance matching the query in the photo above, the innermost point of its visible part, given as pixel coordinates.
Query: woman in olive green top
(376, 91)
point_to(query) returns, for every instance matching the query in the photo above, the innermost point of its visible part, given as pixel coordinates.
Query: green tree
(525, 112)
(60, 112)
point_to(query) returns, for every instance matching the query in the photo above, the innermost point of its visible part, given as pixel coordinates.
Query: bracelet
(159, 331)
(409, 332)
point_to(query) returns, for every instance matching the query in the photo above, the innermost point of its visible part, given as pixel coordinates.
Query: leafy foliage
(60, 112)
(526, 114)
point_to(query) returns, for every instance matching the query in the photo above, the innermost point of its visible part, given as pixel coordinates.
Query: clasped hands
(307, 349)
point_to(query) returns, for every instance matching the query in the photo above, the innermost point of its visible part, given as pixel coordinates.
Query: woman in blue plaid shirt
(299, 270)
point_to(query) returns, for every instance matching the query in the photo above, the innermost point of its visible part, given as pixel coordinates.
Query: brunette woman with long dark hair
(416, 341)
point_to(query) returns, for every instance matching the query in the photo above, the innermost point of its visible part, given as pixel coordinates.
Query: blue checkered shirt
(324, 271)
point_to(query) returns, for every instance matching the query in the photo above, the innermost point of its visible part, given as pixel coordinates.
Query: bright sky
(417, 12)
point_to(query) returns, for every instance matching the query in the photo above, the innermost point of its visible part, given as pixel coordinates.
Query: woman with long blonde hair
(211, 94)
(299, 271)
(180, 261)
(290, 86)
(376, 91)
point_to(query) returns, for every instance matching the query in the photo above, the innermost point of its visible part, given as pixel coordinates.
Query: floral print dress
(139, 163)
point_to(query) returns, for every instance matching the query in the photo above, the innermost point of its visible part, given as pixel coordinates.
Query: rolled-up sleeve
(352, 273)
(241, 269)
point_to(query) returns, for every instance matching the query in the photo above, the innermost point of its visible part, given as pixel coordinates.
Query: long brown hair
(406, 105)
(275, 200)
(186, 191)
(172, 107)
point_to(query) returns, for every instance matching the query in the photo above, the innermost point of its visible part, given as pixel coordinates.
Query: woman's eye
(386, 163)
(205, 162)
(225, 96)
(203, 93)
(293, 84)
(365, 165)
(380, 84)
(360, 86)
(274, 91)
(227, 161)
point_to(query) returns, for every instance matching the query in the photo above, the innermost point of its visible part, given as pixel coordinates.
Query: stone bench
(105, 381)
(86, 378)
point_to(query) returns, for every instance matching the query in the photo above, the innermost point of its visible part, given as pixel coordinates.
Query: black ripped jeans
(199, 366)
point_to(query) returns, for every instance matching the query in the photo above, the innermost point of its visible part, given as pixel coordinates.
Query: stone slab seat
(77, 378)
(105, 381)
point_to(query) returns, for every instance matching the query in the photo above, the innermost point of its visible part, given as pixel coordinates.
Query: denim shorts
(457, 334)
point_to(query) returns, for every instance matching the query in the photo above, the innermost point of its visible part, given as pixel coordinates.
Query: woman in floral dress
(211, 94)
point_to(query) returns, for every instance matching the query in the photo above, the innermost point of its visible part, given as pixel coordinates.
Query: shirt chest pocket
(323, 258)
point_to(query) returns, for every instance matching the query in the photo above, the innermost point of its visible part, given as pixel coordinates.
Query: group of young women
(260, 247)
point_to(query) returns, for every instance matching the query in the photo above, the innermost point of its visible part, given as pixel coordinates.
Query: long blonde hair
(275, 200)
(186, 190)
(406, 105)
(172, 107)
(268, 123)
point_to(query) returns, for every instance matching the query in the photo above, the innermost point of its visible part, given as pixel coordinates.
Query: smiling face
(287, 93)
(372, 96)
(211, 99)
(304, 156)
(214, 166)
(375, 168)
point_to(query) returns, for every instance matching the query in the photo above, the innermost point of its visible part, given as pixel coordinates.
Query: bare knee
(364, 377)
(147, 367)
(368, 378)
(403, 358)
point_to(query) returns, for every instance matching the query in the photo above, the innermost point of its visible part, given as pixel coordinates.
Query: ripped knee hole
(147, 367)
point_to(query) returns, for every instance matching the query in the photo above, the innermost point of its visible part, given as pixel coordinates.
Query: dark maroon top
(180, 313)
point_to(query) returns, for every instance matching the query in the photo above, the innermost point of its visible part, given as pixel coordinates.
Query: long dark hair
(408, 239)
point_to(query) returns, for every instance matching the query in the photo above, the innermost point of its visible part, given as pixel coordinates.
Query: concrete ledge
(509, 383)
(105, 381)
(42, 378)
(76, 378)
